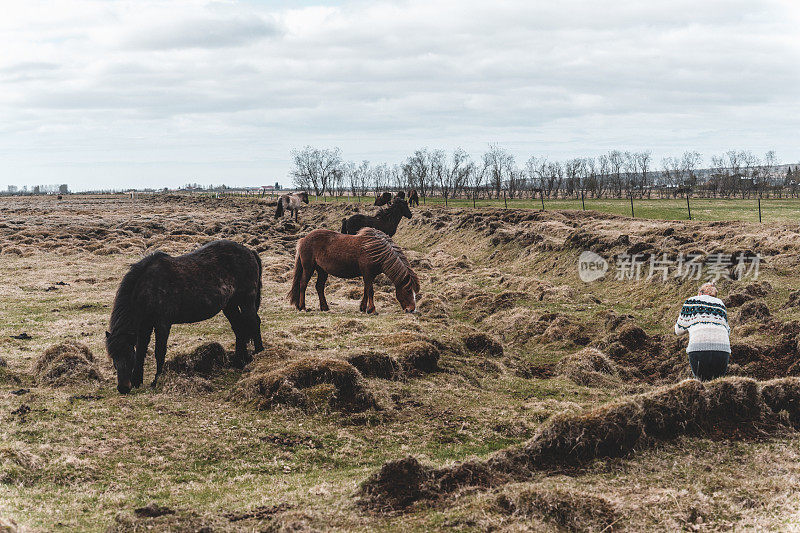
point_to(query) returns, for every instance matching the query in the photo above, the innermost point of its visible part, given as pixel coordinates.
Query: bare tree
(498, 163)
(416, 170)
(315, 168)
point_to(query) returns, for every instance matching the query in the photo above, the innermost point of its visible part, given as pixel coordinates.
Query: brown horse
(367, 254)
(413, 198)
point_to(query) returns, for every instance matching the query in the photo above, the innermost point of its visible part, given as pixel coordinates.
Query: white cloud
(151, 93)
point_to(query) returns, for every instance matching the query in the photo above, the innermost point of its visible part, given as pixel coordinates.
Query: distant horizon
(121, 94)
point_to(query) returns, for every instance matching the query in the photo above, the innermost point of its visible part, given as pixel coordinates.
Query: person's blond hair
(709, 289)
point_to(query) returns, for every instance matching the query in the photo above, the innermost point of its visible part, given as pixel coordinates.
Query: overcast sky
(102, 94)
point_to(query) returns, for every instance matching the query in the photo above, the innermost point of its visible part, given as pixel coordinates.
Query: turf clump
(68, 363)
(726, 408)
(589, 367)
(483, 344)
(376, 364)
(291, 383)
(418, 356)
(203, 360)
(568, 509)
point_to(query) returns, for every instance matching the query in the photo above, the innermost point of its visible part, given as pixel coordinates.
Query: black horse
(383, 199)
(386, 219)
(160, 291)
(413, 198)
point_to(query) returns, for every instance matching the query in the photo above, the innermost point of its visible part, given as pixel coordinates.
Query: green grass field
(772, 209)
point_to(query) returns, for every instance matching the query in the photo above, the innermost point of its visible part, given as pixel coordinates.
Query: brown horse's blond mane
(383, 250)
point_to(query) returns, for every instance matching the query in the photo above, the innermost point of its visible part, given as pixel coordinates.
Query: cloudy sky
(148, 94)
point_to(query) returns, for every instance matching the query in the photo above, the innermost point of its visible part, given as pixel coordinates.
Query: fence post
(688, 207)
(583, 202)
(632, 215)
(759, 208)
(473, 199)
(505, 201)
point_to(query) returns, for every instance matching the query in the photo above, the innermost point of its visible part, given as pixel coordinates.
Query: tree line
(496, 174)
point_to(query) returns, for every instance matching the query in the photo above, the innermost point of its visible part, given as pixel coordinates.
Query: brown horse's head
(303, 196)
(120, 348)
(407, 295)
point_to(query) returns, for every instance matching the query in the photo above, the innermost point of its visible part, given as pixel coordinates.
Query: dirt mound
(725, 408)
(632, 337)
(753, 311)
(156, 518)
(68, 363)
(794, 299)
(433, 307)
(376, 364)
(568, 509)
(7, 376)
(7, 525)
(396, 485)
(418, 356)
(17, 466)
(590, 367)
(737, 299)
(483, 344)
(562, 327)
(203, 360)
(301, 381)
(758, 289)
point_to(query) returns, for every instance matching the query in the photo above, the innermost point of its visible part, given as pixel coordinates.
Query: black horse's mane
(121, 314)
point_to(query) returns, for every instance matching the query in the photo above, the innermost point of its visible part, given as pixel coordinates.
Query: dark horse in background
(383, 199)
(366, 254)
(386, 198)
(386, 219)
(291, 203)
(413, 198)
(161, 290)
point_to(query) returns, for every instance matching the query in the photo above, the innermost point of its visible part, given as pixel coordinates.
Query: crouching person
(705, 318)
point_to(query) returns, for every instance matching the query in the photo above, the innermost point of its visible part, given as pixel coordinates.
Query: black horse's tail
(279, 210)
(344, 225)
(294, 292)
(260, 272)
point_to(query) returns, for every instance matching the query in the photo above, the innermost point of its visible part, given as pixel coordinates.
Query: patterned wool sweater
(706, 320)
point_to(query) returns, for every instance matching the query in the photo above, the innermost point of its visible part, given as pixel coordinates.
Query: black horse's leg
(252, 326)
(162, 335)
(322, 278)
(142, 341)
(235, 317)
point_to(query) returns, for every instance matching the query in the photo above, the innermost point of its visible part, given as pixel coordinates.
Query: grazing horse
(386, 219)
(366, 254)
(291, 203)
(413, 197)
(383, 199)
(161, 290)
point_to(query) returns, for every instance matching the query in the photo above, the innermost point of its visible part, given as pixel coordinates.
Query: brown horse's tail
(260, 272)
(344, 225)
(279, 209)
(294, 292)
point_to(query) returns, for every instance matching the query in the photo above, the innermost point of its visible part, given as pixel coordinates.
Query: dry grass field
(518, 398)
